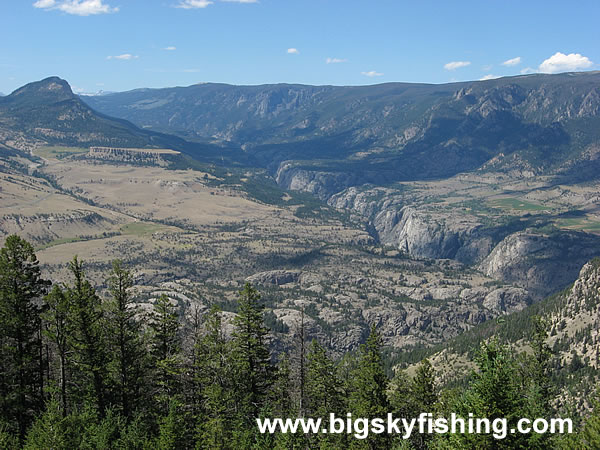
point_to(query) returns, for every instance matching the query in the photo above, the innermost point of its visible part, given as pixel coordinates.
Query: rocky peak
(44, 92)
(586, 290)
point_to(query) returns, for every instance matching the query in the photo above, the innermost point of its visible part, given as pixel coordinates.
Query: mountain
(572, 318)
(48, 112)
(527, 149)
(383, 133)
(499, 174)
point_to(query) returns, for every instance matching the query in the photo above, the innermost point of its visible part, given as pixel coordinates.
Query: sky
(118, 45)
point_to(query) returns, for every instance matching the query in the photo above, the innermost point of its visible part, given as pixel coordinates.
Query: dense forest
(84, 370)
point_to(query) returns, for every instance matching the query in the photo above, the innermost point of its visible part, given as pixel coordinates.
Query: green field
(579, 223)
(58, 152)
(140, 228)
(517, 204)
(59, 242)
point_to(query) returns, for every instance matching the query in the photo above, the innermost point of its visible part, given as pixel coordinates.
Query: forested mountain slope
(47, 112)
(381, 133)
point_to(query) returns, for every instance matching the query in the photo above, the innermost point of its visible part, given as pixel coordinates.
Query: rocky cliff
(541, 263)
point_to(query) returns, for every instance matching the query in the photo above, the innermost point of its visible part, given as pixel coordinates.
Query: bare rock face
(540, 263)
(585, 293)
(321, 184)
(424, 238)
(276, 277)
(411, 230)
(507, 300)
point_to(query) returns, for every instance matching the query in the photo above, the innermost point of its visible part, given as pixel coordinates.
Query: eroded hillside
(198, 236)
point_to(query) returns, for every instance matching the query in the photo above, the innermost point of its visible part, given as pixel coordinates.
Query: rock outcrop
(540, 263)
(276, 277)
(321, 184)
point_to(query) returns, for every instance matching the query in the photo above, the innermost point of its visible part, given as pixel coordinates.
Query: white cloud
(77, 7)
(527, 70)
(372, 73)
(512, 62)
(559, 62)
(123, 57)
(487, 68)
(489, 76)
(335, 60)
(170, 48)
(293, 51)
(44, 4)
(194, 4)
(456, 65)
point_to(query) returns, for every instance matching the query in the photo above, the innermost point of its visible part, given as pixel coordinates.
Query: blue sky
(116, 45)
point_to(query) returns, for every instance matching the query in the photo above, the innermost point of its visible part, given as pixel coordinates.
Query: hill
(47, 112)
(572, 318)
(382, 133)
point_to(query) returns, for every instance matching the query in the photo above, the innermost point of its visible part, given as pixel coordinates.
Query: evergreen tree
(423, 389)
(540, 369)
(368, 394)
(171, 429)
(87, 339)
(493, 393)
(590, 436)
(323, 394)
(280, 399)
(21, 362)
(251, 360)
(165, 350)
(299, 365)
(125, 338)
(57, 331)
(51, 430)
(213, 380)
(401, 395)
(423, 398)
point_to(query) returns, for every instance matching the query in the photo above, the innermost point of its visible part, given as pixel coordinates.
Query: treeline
(79, 371)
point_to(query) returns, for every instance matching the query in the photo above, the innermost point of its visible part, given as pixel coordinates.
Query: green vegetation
(517, 204)
(60, 241)
(113, 376)
(58, 152)
(141, 228)
(579, 223)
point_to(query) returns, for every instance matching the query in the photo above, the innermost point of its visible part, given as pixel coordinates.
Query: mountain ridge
(386, 132)
(47, 112)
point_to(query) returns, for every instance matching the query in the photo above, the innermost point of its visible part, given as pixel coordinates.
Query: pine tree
(125, 339)
(171, 429)
(535, 376)
(542, 359)
(494, 393)
(423, 398)
(87, 338)
(213, 380)
(423, 389)
(165, 350)
(21, 365)
(51, 430)
(368, 394)
(57, 331)
(590, 436)
(251, 358)
(323, 394)
(401, 400)
(299, 365)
